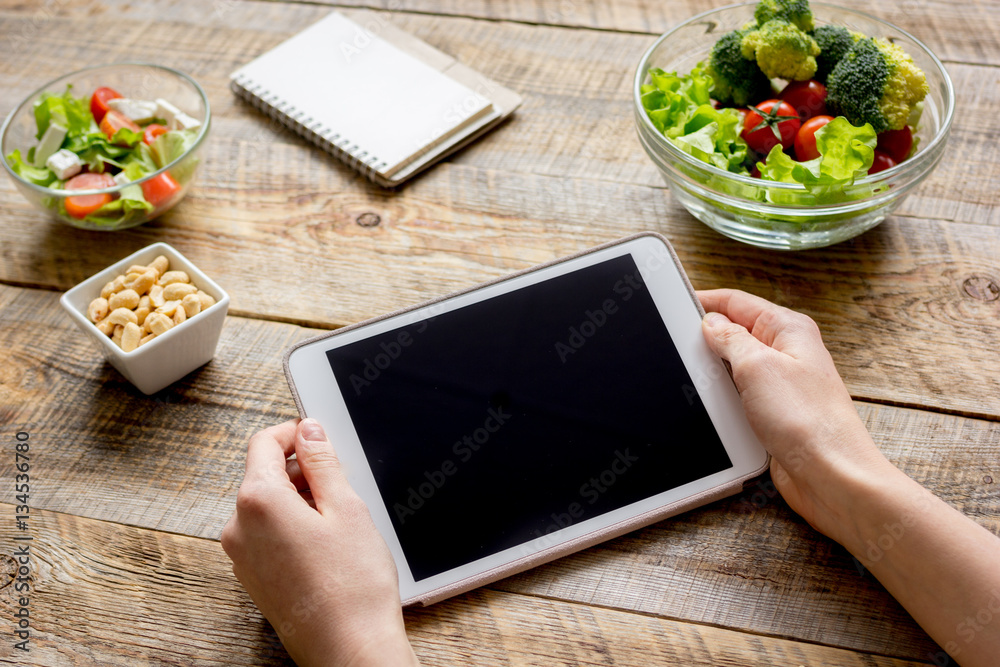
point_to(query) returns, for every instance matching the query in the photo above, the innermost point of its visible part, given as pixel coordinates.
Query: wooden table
(130, 493)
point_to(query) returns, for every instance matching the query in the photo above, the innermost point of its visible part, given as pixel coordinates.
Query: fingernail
(312, 431)
(713, 320)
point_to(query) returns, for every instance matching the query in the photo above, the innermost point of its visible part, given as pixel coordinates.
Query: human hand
(795, 402)
(938, 563)
(304, 546)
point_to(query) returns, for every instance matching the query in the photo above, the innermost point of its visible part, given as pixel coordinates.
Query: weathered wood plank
(961, 32)
(108, 594)
(576, 120)
(909, 309)
(173, 461)
(264, 222)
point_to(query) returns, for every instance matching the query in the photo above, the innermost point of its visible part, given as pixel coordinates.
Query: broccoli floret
(796, 12)
(781, 50)
(738, 81)
(834, 42)
(878, 83)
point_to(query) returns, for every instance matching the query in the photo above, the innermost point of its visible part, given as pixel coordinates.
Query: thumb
(727, 339)
(318, 462)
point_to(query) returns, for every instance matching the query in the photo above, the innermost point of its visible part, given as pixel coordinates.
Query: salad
(783, 100)
(106, 140)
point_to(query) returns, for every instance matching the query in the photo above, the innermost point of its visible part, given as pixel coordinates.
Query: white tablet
(512, 423)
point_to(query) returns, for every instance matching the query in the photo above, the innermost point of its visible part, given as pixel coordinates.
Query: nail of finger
(312, 431)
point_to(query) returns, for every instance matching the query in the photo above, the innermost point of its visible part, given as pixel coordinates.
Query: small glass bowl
(133, 80)
(748, 209)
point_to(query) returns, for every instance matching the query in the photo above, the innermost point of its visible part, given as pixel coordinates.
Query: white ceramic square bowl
(171, 355)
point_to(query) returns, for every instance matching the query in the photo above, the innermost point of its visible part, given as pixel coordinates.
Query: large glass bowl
(133, 80)
(781, 215)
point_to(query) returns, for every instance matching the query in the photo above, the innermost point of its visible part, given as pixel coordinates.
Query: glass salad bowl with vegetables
(791, 125)
(107, 147)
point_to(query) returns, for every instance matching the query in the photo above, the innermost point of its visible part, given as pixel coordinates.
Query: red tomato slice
(80, 206)
(881, 163)
(114, 121)
(896, 143)
(160, 189)
(770, 123)
(808, 98)
(805, 138)
(99, 102)
(152, 131)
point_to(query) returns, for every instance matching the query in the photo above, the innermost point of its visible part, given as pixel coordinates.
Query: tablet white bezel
(320, 397)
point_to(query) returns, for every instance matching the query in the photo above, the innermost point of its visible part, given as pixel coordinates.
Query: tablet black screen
(497, 423)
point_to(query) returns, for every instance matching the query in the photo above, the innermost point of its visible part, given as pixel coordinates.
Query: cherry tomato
(805, 138)
(808, 98)
(896, 143)
(160, 189)
(152, 131)
(882, 161)
(99, 102)
(80, 206)
(114, 121)
(770, 123)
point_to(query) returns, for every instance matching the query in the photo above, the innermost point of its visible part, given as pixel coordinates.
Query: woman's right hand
(795, 401)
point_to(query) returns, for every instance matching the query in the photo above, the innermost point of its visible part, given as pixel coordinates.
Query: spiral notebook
(378, 98)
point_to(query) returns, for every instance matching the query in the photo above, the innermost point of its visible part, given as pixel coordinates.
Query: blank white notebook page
(351, 83)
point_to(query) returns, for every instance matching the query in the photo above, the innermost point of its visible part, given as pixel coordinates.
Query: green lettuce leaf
(42, 176)
(130, 206)
(171, 145)
(846, 154)
(139, 162)
(70, 112)
(680, 107)
(127, 138)
(96, 151)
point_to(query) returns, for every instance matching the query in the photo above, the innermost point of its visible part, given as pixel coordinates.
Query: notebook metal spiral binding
(326, 138)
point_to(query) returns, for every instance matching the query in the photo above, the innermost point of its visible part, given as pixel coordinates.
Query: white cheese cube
(50, 143)
(182, 121)
(139, 111)
(64, 163)
(121, 179)
(166, 111)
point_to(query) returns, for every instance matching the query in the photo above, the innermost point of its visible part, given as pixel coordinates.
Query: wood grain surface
(955, 31)
(895, 305)
(276, 221)
(131, 492)
(106, 594)
(173, 462)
